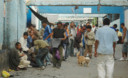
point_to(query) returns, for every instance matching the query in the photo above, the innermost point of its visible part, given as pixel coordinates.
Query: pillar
(15, 21)
(126, 18)
(1, 22)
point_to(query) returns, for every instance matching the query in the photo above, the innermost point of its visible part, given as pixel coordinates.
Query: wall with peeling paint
(1, 22)
(15, 22)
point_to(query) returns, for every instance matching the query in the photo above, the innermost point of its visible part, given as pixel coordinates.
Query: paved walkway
(70, 69)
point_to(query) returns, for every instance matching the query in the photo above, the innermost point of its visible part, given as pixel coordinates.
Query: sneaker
(122, 59)
(58, 66)
(29, 66)
(43, 67)
(54, 65)
(48, 63)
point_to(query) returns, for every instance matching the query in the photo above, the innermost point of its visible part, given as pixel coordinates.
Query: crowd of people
(39, 48)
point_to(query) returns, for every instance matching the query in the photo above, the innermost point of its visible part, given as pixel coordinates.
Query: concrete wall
(15, 21)
(15, 25)
(1, 22)
(3, 61)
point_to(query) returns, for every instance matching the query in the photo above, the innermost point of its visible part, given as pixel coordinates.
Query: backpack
(78, 37)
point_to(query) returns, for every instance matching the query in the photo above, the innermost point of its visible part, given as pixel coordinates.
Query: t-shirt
(113, 28)
(106, 36)
(40, 44)
(119, 34)
(47, 31)
(29, 42)
(58, 33)
(24, 44)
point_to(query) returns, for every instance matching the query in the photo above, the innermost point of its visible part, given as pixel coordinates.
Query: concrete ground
(70, 69)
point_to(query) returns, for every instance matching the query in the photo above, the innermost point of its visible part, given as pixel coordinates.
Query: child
(23, 57)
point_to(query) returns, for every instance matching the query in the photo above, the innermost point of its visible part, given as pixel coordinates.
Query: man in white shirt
(106, 39)
(72, 31)
(23, 41)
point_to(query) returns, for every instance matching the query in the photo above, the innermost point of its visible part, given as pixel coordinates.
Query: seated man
(23, 57)
(23, 41)
(14, 59)
(41, 47)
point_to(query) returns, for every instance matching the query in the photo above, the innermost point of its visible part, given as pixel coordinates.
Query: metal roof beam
(77, 2)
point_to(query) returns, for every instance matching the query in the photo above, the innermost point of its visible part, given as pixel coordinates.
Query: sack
(5, 74)
(57, 55)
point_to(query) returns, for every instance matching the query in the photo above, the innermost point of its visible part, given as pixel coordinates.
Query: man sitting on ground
(23, 41)
(24, 63)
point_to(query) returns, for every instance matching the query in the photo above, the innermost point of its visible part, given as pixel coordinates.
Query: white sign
(87, 10)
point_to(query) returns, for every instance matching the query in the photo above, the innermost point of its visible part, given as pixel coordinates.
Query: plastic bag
(57, 54)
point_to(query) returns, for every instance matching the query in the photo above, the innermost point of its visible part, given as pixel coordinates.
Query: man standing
(106, 39)
(114, 27)
(46, 37)
(47, 31)
(72, 31)
(89, 40)
(81, 44)
(125, 43)
(59, 35)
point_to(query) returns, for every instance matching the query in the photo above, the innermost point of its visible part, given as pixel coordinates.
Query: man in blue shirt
(114, 27)
(106, 39)
(47, 31)
(29, 39)
(46, 37)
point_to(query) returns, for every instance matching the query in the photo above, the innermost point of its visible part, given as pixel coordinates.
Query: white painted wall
(1, 22)
(35, 20)
(126, 18)
(51, 17)
(100, 21)
(15, 21)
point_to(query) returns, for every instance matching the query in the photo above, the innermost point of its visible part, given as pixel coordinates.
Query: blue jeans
(66, 51)
(81, 51)
(48, 55)
(71, 47)
(41, 56)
